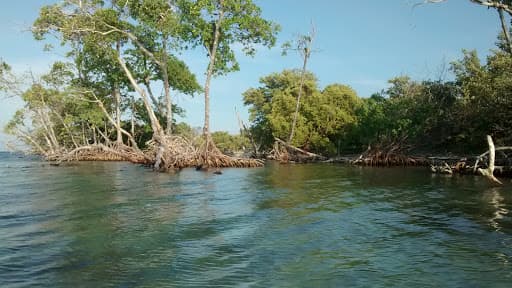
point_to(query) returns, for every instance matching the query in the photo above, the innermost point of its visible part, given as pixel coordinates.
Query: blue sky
(360, 43)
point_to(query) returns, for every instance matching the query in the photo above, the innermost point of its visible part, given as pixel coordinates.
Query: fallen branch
(489, 172)
(313, 155)
(487, 152)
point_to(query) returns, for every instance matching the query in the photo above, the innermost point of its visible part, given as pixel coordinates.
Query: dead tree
(303, 46)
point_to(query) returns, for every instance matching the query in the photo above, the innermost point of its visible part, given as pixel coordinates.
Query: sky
(361, 43)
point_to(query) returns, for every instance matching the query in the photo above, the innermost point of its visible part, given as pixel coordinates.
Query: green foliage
(54, 115)
(142, 32)
(5, 75)
(242, 24)
(429, 116)
(228, 143)
(324, 116)
(184, 130)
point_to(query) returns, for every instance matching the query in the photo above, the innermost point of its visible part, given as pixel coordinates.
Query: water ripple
(117, 224)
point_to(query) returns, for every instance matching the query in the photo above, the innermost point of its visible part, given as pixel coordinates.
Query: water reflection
(117, 224)
(499, 207)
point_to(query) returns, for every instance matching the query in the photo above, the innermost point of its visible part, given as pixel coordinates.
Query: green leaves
(323, 115)
(5, 75)
(242, 24)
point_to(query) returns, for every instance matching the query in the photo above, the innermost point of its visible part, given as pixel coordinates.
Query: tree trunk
(158, 133)
(49, 135)
(116, 124)
(31, 140)
(67, 129)
(209, 73)
(168, 100)
(506, 33)
(117, 99)
(155, 124)
(489, 172)
(297, 106)
(132, 120)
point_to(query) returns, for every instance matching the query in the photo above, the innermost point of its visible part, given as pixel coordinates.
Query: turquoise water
(121, 225)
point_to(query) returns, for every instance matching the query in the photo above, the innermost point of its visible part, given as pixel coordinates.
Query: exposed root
(101, 152)
(489, 169)
(176, 153)
(285, 153)
(209, 156)
(389, 155)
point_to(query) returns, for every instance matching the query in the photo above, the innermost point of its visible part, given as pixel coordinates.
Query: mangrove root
(392, 154)
(285, 153)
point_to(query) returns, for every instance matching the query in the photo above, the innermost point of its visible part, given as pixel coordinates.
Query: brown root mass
(286, 153)
(393, 154)
(173, 153)
(101, 152)
(209, 156)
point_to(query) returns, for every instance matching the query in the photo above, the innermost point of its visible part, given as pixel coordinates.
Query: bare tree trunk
(209, 73)
(168, 100)
(67, 129)
(117, 103)
(489, 172)
(155, 124)
(304, 46)
(49, 135)
(31, 140)
(152, 96)
(158, 133)
(297, 105)
(84, 140)
(132, 121)
(245, 130)
(117, 98)
(115, 123)
(93, 128)
(504, 27)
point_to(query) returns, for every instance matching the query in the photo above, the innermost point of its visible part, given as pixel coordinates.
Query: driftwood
(442, 169)
(489, 172)
(479, 158)
(285, 153)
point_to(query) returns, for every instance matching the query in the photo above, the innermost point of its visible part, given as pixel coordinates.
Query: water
(121, 225)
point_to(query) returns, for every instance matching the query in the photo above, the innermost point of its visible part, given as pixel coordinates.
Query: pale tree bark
(210, 70)
(117, 98)
(297, 104)
(48, 128)
(488, 3)
(115, 123)
(489, 172)
(167, 93)
(155, 124)
(155, 102)
(158, 133)
(67, 129)
(505, 29)
(304, 46)
(132, 120)
(28, 138)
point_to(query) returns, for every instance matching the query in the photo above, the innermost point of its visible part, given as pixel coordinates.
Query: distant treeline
(427, 116)
(120, 52)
